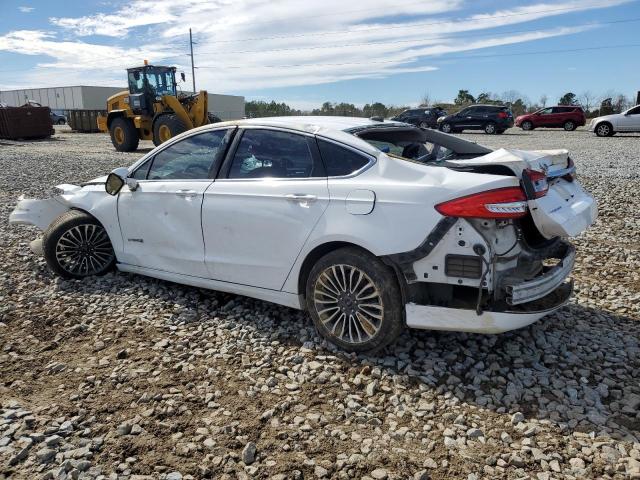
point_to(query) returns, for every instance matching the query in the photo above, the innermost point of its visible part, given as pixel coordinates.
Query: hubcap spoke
(84, 250)
(348, 303)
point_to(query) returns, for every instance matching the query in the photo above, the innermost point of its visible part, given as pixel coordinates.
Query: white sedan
(609, 125)
(369, 225)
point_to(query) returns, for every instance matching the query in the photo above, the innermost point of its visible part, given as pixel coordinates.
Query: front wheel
(490, 128)
(424, 125)
(354, 300)
(604, 130)
(527, 125)
(76, 245)
(167, 126)
(124, 135)
(446, 128)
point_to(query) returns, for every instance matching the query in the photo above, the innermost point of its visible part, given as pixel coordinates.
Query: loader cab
(147, 85)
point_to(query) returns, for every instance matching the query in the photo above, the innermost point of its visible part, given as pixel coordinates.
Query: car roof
(334, 128)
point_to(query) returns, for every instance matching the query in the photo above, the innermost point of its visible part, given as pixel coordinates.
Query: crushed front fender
(40, 213)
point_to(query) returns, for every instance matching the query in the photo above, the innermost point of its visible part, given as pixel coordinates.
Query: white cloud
(254, 44)
(25, 9)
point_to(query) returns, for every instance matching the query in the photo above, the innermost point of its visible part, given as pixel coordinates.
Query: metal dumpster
(84, 121)
(25, 122)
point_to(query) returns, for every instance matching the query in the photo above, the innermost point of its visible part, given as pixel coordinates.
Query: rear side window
(273, 154)
(340, 161)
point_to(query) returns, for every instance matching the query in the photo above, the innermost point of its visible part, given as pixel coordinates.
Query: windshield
(156, 82)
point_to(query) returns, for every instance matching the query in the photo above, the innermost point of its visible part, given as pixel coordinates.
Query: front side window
(340, 161)
(273, 154)
(192, 158)
(546, 111)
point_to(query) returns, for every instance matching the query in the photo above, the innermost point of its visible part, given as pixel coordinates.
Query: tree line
(593, 105)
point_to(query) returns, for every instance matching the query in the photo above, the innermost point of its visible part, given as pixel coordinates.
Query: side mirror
(116, 180)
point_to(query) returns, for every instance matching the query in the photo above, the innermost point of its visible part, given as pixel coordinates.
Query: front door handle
(301, 197)
(186, 193)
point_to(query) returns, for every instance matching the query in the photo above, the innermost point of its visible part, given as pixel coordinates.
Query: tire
(61, 122)
(167, 126)
(490, 128)
(76, 245)
(446, 128)
(330, 279)
(213, 118)
(424, 125)
(569, 126)
(527, 125)
(604, 129)
(124, 135)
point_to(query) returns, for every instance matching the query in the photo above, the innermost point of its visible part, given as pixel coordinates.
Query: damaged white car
(369, 225)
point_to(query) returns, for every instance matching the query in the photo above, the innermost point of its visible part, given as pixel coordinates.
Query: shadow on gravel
(577, 368)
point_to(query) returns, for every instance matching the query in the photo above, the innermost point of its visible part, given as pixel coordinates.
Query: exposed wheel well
(321, 250)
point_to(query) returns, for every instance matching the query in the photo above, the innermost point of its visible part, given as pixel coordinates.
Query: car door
(257, 215)
(462, 119)
(160, 220)
(629, 121)
(477, 117)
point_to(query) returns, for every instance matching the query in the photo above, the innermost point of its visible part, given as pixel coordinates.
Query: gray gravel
(129, 377)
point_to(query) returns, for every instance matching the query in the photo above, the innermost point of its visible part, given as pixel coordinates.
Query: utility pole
(193, 69)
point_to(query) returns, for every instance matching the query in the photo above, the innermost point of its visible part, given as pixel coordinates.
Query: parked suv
(609, 125)
(563, 116)
(490, 118)
(421, 117)
(58, 119)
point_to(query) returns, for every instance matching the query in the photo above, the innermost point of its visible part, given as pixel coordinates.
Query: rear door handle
(301, 197)
(186, 193)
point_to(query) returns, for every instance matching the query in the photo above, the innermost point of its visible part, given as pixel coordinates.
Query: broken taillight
(535, 183)
(509, 202)
(571, 176)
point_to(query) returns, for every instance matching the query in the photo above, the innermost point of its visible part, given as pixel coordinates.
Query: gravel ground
(129, 377)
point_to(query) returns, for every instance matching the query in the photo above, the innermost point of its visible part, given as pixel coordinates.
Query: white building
(83, 97)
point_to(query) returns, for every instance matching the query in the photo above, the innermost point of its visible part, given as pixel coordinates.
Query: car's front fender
(40, 213)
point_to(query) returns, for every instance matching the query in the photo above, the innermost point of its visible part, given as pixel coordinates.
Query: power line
(393, 42)
(540, 52)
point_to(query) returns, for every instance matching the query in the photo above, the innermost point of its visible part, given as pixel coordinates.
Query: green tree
(568, 98)
(464, 97)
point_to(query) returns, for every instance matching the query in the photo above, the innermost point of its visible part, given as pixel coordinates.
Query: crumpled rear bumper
(431, 317)
(519, 292)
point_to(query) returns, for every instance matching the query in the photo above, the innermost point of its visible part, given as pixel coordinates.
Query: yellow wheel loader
(152, 109)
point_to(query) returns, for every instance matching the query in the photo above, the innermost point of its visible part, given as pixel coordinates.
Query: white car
(369, 225)
(609, 125)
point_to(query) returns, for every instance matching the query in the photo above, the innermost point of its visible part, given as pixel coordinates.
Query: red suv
(563, 116)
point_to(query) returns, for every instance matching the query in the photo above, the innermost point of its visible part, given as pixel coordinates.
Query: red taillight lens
(570, 177)
(508, 202)
(503, 115)
(539, 182)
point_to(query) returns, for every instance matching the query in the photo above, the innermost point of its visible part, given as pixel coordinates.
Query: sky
(307, 52)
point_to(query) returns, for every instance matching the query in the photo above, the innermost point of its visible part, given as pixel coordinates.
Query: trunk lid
(566, 210)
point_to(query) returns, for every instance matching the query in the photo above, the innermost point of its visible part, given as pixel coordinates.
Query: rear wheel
(424, 125)
(61, 121)
(166, 127)
(527, 125)
(604, 129)
(446, 128)
(76, 245)
(354, 300)
(569, 126)
(490, 128)
(124, 135)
